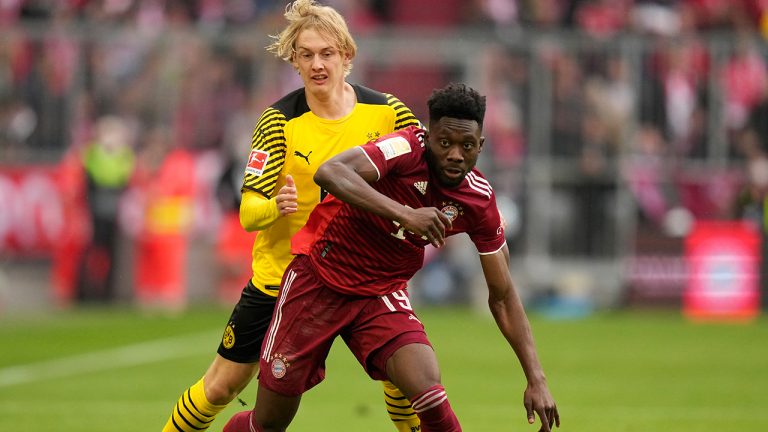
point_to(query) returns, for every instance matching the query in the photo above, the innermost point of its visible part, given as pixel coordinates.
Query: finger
(287, 211)
(556, 415)
(437, 232)
(430, 237)
(289, 181)
(436, 240)
(544, 421)
(529, 411)
(441, 224)
(445, 219)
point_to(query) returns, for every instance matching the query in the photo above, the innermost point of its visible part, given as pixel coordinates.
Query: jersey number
(400, 234)
(400, 298)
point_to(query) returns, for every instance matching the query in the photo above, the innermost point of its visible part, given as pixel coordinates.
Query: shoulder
(414, 136)
(290, 106)
(373, 97)
(369, 96)
(404, 148)
(403, 115)
(417, 135)
(477, 185)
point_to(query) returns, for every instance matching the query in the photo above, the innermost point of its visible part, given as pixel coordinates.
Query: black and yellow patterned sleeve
(403, 115)
(267, 153)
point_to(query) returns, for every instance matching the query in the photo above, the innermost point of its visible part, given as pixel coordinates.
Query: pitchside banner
(724, 271)
(33, 212)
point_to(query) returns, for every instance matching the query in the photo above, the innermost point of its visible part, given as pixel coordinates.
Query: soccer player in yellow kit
(290, 141)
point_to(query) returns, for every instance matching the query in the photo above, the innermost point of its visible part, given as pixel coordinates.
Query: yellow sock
(399, 409)
(193, 412)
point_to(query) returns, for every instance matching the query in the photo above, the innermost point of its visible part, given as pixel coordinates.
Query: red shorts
(309, 316)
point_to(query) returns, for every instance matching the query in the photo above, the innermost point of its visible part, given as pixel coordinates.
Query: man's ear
(294, 62)
(480, 147)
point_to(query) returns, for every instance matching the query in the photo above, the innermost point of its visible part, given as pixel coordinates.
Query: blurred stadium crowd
(612, 126)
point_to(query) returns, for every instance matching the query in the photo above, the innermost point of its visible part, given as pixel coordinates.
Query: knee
(221, 390)
(219, 393)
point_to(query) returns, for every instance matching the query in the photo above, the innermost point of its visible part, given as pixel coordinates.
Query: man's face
(319, 62)
(453, 146)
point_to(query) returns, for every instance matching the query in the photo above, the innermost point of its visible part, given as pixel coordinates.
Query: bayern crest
(279, 366)
(452, 210)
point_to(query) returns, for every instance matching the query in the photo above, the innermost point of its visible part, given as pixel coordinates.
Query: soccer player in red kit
(361, 245)
(291, 139)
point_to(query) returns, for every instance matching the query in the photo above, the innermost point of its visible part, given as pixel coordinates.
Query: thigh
(307, 319)
(383, 325)
(241, 342)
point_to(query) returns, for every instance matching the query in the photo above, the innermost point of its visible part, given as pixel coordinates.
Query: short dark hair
(457, 101)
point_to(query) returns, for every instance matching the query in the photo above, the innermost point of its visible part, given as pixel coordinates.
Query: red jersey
(357, 252)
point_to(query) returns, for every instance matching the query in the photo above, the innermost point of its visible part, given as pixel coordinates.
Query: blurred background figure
(164, 185)
(233, 244)
(751, 205)
(108, 161)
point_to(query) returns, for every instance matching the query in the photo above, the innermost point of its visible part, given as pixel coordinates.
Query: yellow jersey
(290, 140)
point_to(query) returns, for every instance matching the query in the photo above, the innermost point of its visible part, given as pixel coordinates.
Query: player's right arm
(347, 176)
(258, 213)
(259, 209)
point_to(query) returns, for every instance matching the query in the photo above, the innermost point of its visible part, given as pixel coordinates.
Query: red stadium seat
(412, 84)
(429, 13)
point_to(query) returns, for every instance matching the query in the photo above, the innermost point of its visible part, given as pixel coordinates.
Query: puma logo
(306, 158)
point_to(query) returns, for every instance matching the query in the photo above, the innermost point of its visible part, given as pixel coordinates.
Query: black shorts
(247, 325)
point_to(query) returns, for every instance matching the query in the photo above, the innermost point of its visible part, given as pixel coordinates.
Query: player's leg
(273, 412)
(414, 369)
(232, 369)
(389, 341)
(399, 409)
(277, 412)
(199, 404)
(306, 321)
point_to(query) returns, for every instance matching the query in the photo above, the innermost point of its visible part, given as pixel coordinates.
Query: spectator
(109, 163)
(752, 140)
(611, 97)
(163, 179)
(744, 80)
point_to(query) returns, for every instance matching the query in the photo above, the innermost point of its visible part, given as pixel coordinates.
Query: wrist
(536, 379)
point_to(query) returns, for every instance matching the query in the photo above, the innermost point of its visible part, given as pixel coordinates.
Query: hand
(538, 400)
(429, 223)
(287, 198)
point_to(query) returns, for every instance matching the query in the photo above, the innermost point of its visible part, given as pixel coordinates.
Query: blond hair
(305, 14)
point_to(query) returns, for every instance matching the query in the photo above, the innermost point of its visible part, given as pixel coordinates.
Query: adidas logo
(421, 186)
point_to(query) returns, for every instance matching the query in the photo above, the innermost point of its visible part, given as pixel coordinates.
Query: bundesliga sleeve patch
(393, 147)
(256, 162)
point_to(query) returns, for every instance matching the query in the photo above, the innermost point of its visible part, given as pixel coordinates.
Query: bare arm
(508, 311)
(347, 176)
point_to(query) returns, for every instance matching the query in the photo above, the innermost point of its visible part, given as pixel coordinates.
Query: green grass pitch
(121, 370)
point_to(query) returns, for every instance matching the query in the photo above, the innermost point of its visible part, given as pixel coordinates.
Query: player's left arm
(508, 311)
